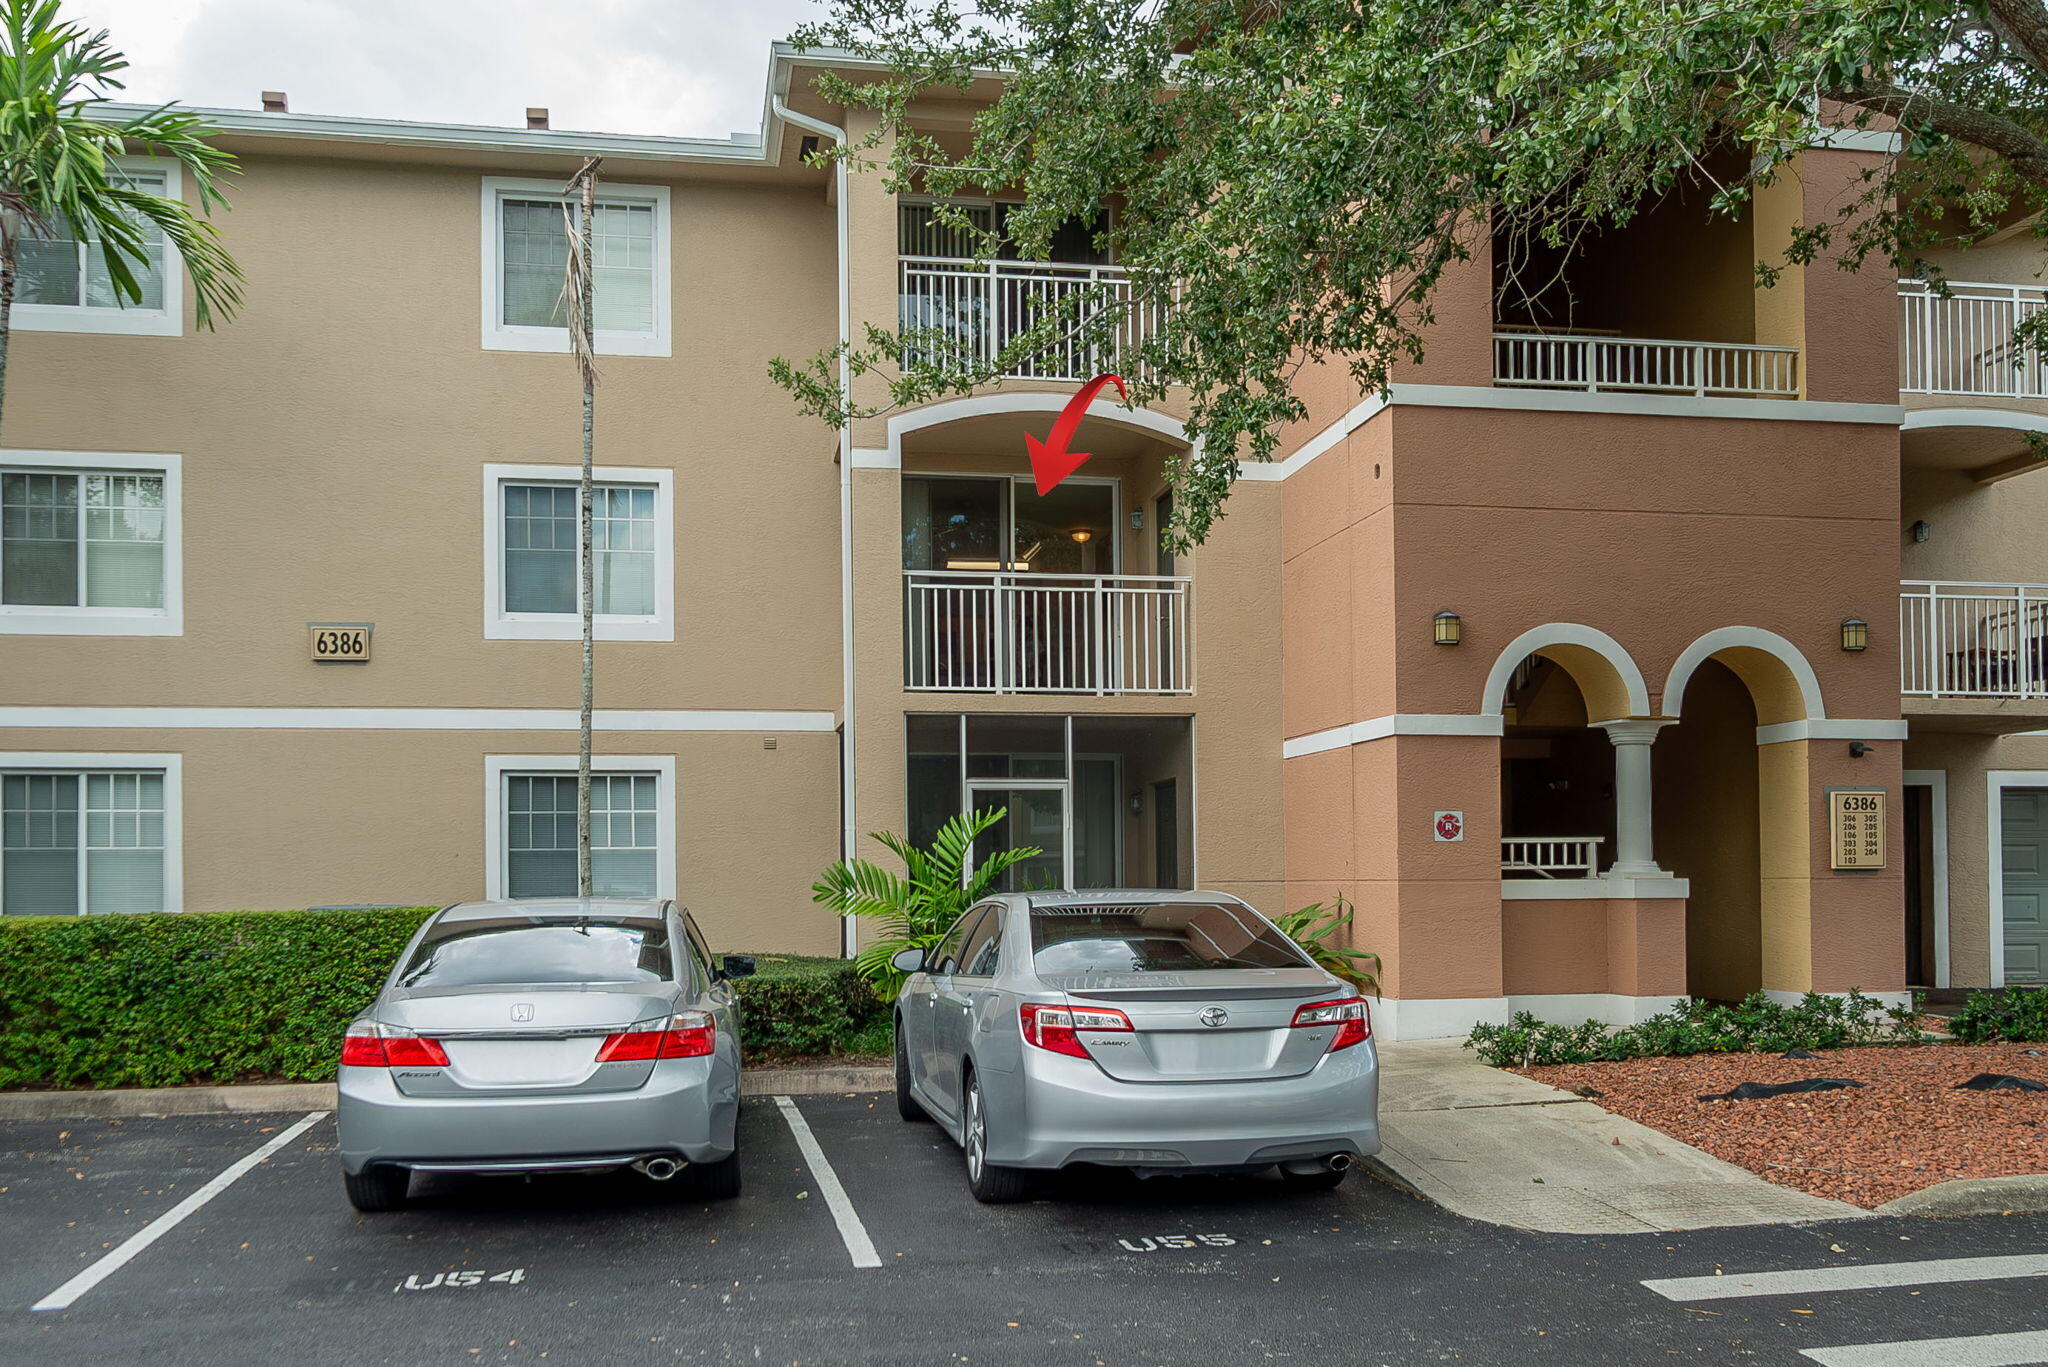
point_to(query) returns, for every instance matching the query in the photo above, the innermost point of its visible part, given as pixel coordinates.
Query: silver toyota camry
(1167, 1032)
(545, 1035)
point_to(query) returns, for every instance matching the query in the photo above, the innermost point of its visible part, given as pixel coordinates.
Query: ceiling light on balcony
(1855, 634)
(1082, 536)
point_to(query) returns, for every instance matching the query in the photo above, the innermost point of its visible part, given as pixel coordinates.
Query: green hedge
(2017, 1014)
(1757, 1023)
(198, 997)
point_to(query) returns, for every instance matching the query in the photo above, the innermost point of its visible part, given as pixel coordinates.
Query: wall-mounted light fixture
(1450, 628)
(1855, 634)
(1082, 536)
(1857, 749)
(1921, 530)
(1137, 801)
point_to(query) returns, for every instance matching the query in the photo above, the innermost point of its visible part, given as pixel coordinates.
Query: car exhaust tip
(659, 1169)
(1339, 1162)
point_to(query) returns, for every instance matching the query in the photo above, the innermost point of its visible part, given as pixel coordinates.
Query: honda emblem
(522, 1011)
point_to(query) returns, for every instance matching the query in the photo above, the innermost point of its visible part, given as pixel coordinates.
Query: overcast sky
(687, 67)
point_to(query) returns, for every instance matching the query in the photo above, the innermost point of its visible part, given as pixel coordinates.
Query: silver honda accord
(1167, 1032)
(545, 1035)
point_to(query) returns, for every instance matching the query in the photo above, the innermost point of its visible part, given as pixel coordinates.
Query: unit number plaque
(1856, 828)
(330, 642)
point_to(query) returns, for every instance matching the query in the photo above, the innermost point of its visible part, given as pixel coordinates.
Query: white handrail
(1540, 360)
(980, 307)
(1548, 856)
(988, 632)
(1961, 341)
(1973, 640)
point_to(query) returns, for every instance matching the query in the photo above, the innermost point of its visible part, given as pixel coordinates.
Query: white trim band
(1602, 888)
(401, 719)
(1830, 728)
(1398, 724)
(1407, 1018)
(1277, 470)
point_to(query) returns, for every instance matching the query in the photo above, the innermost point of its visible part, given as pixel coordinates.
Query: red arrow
(1051, 461)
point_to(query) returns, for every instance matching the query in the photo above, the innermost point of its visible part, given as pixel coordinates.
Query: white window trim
(173, 767)
(497, 768)
(168, 321)
(22, 619)
(500, 625)
(497, 336)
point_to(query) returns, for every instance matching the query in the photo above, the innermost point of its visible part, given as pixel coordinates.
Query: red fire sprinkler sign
(1450, 825)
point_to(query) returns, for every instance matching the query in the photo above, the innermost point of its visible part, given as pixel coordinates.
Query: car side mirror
(908, 961)
(736, 966)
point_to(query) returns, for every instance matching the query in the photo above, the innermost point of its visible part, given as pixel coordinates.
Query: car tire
(1323, 1179)
(718, 1181)
(992, 1185)
(906, 1104)
(378, 1188)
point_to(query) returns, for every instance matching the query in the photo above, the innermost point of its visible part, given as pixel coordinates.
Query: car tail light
(1350, 1015)
(369, 1045)
(687, 1034)
(1054, 1027)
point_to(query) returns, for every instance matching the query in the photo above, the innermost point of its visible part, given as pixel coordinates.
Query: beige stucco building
(1554, 659)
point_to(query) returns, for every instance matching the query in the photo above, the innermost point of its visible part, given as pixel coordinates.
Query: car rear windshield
(1173, 937)
(527, 949)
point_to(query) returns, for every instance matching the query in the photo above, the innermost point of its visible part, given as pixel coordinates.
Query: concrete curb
(120, 1103)
(2026, 1194)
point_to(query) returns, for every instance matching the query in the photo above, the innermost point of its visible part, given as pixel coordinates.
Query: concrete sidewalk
(1492, 1146)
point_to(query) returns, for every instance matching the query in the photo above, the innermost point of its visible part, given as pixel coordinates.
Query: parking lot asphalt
(275, 1267)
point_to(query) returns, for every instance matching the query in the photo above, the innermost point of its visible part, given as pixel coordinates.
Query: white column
(1632, 738)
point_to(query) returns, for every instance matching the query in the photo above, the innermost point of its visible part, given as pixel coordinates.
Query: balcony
(978, 308)
(1550, 856)
(1962, 343)
(1637, 365)
(978, 632)
(1960, 640)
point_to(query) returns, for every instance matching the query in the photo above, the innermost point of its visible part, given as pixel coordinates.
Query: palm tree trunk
(10, 226)
(586, 556)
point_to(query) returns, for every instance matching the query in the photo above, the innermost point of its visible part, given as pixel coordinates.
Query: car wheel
(906, 1104)
(718, 1181)
(380, 1188)
(1322, 1179)
(992, 1185)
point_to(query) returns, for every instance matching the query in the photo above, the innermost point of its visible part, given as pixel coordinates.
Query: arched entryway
(1732, 813)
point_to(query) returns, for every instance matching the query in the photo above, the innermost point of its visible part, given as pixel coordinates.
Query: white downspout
(847, 835)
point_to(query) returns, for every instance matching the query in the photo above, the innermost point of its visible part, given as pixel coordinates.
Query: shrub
(158, 1000)
(196, 997)
(2016, 1014)
(794, 1006)
(1757, 1024)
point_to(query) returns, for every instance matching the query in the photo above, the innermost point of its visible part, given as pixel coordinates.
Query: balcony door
(1038, 814)
(1003, 587)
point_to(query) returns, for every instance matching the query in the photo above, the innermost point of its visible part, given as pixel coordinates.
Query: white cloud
(683, 67)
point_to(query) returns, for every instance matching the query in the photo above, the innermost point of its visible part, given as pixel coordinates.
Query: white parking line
(163, 1224)
(1979, 1350)
(858, 1246)
(1862, 1277)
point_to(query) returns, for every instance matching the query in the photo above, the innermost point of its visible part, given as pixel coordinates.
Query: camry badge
(522, 1011)
(1213, 1015)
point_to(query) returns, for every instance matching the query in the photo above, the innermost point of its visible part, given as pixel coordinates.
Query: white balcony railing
(1550, 856)
(966, 631)
(981, 307)
(1643, 365)
(1973, 640)
(1962, 342)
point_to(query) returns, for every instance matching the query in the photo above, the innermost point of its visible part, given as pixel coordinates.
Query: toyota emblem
(1213, 1015)
(522, 1011)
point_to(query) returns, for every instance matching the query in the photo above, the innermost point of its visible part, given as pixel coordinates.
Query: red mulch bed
(1905, 1129)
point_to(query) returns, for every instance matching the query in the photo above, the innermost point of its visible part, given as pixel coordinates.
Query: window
(944, 958)
(526, 253)
(534, 949)
(531, 826)
(64, 285)
(88, 547)
(1182, 937)
(983, 951)
(531, 575)
(87, 834)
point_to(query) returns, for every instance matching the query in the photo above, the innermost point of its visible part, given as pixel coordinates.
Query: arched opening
(1557, 804)
(1707, 832)
(1731, 814)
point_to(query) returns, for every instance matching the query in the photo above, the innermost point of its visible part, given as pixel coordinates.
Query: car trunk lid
(1222, 1026)
(512, 1041)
